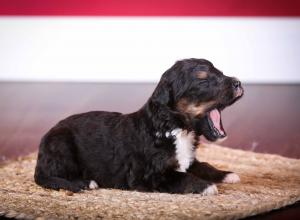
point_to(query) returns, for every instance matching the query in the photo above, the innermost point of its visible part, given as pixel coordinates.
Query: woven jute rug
(267, 182)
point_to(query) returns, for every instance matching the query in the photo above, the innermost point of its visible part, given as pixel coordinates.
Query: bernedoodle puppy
(152, 149)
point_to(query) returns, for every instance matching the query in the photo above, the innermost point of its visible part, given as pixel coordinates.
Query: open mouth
(215, 125)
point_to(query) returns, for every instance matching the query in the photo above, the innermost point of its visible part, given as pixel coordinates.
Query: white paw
(231, 178)
(210, 190)
(93, 185)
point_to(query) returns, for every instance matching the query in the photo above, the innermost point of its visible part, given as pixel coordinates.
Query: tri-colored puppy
(152, 149)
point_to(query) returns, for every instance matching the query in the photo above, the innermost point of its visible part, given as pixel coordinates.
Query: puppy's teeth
(210, 190)
(231, 178)
(93, 185)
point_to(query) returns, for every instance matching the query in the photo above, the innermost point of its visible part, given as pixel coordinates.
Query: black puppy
(152, 149)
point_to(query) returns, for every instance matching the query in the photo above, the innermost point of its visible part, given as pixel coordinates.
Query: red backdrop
(151, 7)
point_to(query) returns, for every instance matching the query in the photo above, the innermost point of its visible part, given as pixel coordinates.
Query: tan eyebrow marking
(201, 74)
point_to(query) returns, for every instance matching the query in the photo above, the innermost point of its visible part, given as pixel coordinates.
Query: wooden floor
(267, 119)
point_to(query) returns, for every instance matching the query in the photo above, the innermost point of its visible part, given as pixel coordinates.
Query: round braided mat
(267, 182)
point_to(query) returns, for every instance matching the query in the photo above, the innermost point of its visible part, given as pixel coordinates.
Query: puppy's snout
(236, 83)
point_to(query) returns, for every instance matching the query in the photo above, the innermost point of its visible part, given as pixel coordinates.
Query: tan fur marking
(201, 74)
(192, 108)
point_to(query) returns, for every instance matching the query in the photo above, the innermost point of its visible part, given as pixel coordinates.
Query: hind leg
(57, 166)
(58, 183)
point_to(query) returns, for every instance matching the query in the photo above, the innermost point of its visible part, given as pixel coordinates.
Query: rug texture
(267, 182)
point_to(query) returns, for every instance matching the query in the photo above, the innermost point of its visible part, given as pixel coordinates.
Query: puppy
(152, 149)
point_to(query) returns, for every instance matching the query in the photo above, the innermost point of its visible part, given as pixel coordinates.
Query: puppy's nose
(236, 83)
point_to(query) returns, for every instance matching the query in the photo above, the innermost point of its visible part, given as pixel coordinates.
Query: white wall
(140, 49)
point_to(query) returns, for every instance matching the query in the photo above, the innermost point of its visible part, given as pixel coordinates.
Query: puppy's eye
(202, 82)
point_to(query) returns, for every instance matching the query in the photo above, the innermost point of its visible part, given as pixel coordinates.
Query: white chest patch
(185, 153)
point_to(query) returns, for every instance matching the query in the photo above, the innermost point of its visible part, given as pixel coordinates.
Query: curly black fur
(133, 151)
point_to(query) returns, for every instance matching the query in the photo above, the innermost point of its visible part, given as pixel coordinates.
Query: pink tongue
(216, 119)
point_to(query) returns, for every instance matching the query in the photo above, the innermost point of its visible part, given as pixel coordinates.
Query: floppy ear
(160, 106)
(162, 93)
(161, 103)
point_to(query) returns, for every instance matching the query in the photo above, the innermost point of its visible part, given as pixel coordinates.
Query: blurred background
(61, 57)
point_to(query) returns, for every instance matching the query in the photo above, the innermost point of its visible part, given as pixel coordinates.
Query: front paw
(201, 187)
(210, 190)
(231, 178)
